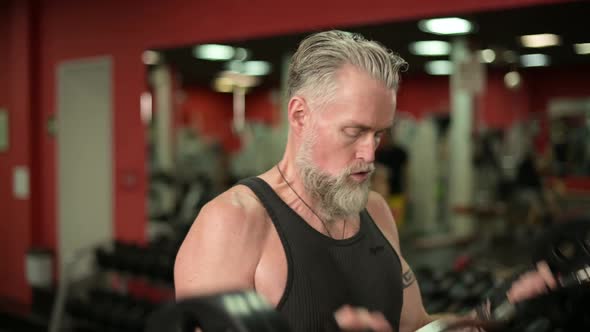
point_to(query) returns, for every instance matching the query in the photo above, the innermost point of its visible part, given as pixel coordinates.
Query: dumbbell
(238, 311)
(459, 295)
(477, 284)
(162, 267)
(116, 305)
(165, 245)
(424, 277)
(448, 280)
(105, 258)
(132, 257)
(136, 315)
(482, 287)
(439, 304)
(79, 309)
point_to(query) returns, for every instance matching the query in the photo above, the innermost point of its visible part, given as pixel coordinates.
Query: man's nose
(366, 150)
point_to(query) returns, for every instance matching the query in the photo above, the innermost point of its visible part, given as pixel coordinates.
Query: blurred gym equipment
(565, 248)
(239, 311)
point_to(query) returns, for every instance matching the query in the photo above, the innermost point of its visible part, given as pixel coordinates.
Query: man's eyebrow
(388, 128)
(365, 127)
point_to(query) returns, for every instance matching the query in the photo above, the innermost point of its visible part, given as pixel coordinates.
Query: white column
(161, 81)
(424, 177)
(164, 149)
(239, 110)
(460, 144)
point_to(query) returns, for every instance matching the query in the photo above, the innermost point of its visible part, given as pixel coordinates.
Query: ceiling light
(512, 80)
(239, 79)
(150, 57)
(487, 55)
(446, 26)
(235, 66)
(214, 52)
(540, 40)
(241, 54)
(252, 68)
(439, 67)
(257, 68)
(430, 48)
(583, 48)
(534, 60)
(223, 84)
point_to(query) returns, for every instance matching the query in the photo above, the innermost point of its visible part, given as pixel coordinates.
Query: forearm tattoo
(408, 279)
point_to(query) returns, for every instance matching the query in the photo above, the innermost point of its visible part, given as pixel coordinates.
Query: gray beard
(337, 196)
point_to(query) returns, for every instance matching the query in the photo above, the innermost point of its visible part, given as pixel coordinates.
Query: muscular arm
(413, 314)
(222, 248)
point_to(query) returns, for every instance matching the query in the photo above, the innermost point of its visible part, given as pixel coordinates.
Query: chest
(366, 272)
(270, 278)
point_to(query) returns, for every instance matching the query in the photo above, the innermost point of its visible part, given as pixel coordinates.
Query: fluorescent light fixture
(439, 67)
(236, 66)
(534, 60)
(252, 68)
(582, 48)
(257, 68)
(512, 79)
(487, 55)
(540, 40)
(150, 57)
(214, 52)
(430, 47)
(446, 26)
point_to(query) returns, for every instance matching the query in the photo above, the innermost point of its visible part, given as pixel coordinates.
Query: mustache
(361, 167)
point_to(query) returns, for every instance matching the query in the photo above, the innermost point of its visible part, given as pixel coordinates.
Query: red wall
(499, 106)
(211, 113)
(15, 96)
(261, 107)
(8, 250)
(548, 83)
(5, 41)
(423, 94)
(420, 95)
(69, 29)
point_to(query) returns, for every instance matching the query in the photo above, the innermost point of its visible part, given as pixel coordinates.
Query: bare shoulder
(235, 214)
(223, 246)
(382, 216)
(234, 207)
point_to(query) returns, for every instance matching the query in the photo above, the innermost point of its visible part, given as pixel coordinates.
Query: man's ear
(299, 113)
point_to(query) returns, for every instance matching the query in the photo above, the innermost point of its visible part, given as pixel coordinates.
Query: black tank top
(325, 274)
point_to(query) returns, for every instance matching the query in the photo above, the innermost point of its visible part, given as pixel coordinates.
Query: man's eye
(352, 132)
(378, 137)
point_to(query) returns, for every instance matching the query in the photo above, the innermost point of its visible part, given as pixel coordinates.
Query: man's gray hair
(321, 55)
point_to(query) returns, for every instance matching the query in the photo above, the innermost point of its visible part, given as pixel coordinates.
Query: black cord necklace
(309, 207)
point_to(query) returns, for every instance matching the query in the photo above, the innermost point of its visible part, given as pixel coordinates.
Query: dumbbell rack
(452, 292)
(129, 283)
